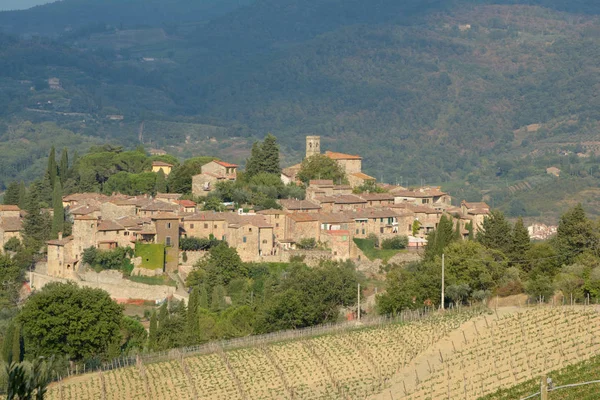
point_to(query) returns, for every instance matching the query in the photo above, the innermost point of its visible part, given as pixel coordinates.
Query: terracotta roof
(321, 182)
(342, 187)
(11, 224)
(418, 193)
(292, 170)
(84, 210)
(186, 203)
(341, 156)
(379, 213)
(303, 217)
(9, 207)
(206, 216)
(363, 176)
(291, 204)
(348, 199)
(377, 196)
(255, 220)
(85, 218)
(160, 206)
(161, 164)
(109, 225)
(164, 216)
(175, 196)
(271, 211)
(473, 205)
(479, 211)
(226, 164)
(333, 218)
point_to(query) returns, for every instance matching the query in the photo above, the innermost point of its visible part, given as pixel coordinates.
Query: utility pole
(358, 304)
(442, 303)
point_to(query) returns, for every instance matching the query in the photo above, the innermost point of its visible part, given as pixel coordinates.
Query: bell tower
(313, 145)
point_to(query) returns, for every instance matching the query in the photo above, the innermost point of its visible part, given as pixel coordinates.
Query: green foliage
(320, 166)
(117, 259)
(12, 244)
(29, 380)
(52, 170)
(367, 246)
(496, 232)
(160, 184)
(395, 243)
(153, 330)
(307, 244)
(36, 224)
(180, 178)
(575, 234)
(264, 158)
(11, 196)
(196, 244)
(134, 336)
(416, 225)
(49, 316)
(438, 239)
(12, 277)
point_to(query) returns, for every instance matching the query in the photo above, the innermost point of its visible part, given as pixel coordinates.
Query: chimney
(59, 235)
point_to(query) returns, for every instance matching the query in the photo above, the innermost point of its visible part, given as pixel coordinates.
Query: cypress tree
(58, 220)
(160, 186)
(253, 163)
(470, 229)
(163, 314)
(270, 156)
(11, 196)
(37, 227)
(152, 335)
(16, 344)
(457, 234)
(438, 239)
(496, 233)
(192, 315)
(203, 297)
(218, 299)
(22, 195)
(64, 166)
(52, 169)
(521, 243)
(7, 345)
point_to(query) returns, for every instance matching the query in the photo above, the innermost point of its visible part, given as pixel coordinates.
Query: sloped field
(458, 355)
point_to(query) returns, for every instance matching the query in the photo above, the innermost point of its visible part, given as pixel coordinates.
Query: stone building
(212, 173)
(302, 226)
(158, 165)
(9, 227)
(62, 259)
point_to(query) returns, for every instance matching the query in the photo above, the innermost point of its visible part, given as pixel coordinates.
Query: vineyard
(456, 355)
(492, 353)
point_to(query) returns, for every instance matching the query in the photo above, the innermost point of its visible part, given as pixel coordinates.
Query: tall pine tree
(22, 195)
(496, 233)
(11, 196)
(192, 318)
(438, 239)
(521, 243)
(58, 220)
(574, 235)
(270, 156)
(37, 226)
(254, 161)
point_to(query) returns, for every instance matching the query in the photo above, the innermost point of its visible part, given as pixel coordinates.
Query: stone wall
(112, 282)
(312, 258)
(192, 257)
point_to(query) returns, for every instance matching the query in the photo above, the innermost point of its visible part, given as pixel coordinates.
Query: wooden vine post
(544, 388)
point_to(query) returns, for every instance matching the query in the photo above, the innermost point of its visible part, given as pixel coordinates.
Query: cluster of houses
(331, 214)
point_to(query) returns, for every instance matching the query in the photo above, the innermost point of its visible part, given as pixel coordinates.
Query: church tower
(313, 145)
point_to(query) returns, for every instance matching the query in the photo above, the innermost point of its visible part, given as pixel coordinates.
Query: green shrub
(12, 244)
(307, 244)
(395, 243)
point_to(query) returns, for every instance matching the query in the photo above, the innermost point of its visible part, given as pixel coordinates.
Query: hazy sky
(20, 4)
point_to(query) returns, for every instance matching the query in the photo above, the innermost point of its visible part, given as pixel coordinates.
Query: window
(381, 220)
(191, 226)
(168, 225)
(381, 230)
(276, 216)
(363, 231)
(277, 225)
(249, 229)
(125, 233)
(205, 226)
(168, 240)
(265, 241)
(214, 226)
(244, 239)
(357, 231)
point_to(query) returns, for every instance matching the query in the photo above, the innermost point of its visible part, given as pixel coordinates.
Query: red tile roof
(226, 164)
(363, 176)
(161, 164)
(341, 156)
(9, 207)
(186, 203)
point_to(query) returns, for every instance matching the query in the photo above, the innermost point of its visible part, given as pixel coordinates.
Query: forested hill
(63, 16)
(480, 96)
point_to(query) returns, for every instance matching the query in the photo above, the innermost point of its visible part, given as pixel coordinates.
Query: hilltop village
(331, 215)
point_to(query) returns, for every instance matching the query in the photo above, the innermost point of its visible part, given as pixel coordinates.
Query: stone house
(357, 179)
(167, 233)
(341, 203)
(9, 227)
(168, 197)
(426, 196)
(158, 165)
(339, 242)
(376, 200)
(85, 232)
(276, 218)
(114, 209)
(62, 260)
(206, 224)
(302, 226)
(299, 206)
(252, 237)
(112, 235)
(84, 211)
(476, 212)
(157, 207)
(9, 211)
(212, 173)
(428, 217)
(186, 206)
(382, 223)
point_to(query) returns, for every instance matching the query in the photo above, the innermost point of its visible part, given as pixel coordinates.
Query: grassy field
(153, 255)
(372, 253)
(153, 280)
(444, 356)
